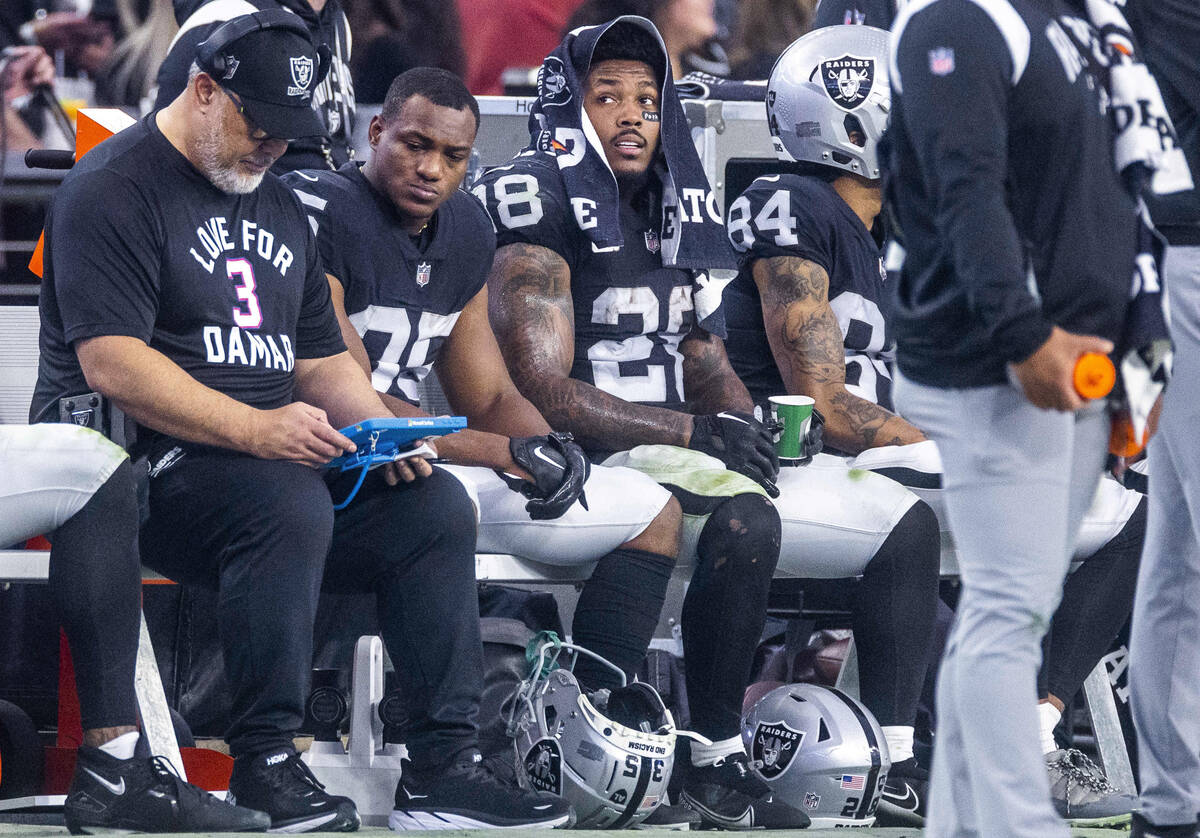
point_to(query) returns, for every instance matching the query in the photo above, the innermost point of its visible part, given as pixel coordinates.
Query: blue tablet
(380, 440)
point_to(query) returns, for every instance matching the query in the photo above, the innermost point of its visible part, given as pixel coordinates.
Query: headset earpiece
(210, 54)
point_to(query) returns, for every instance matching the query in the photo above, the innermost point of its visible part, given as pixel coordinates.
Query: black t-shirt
(1006, 193)
(403, 296)
(229, 287)
(630, 312)
(793, 215)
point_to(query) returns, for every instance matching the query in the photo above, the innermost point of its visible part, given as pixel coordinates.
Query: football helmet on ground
(820, 751)
(610, 753)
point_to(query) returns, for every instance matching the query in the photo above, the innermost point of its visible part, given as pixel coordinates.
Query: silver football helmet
(828, 83)
(614, 774)
(820, 751)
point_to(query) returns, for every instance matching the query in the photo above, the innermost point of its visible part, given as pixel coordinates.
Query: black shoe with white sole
(730, 796)
(146, 795)
(469, 794)
(903, 797)
(280, 784)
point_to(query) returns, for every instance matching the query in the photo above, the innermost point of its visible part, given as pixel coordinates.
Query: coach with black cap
(182, 282)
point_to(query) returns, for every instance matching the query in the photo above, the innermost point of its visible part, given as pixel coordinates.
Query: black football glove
(559, 468)
(742, 443)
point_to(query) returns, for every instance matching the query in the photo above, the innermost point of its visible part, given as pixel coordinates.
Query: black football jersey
(630, 312)
(794, 215)
(140, 244)
(402, 295)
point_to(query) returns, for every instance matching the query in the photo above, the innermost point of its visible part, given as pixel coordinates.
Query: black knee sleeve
(95, 581)
(1097, 600)
(725, 607)
(894, 612)
(617, 612)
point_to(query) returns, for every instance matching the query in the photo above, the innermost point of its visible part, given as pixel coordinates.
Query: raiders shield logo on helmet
(848, 80)
(775, 746)
(552, 83)
(544, 765)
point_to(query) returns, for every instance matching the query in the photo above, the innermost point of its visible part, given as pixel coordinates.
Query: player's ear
(206, 88)
(375, 130)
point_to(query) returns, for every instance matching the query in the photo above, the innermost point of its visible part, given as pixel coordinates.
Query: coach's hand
(1047, 377)
(298, 432)
(741, 442)
(559, 469)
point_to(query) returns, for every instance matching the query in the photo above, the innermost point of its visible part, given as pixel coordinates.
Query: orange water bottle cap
(1095, 375)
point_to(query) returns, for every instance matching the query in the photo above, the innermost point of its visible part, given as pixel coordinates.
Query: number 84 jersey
(630, 312)
(802, 216)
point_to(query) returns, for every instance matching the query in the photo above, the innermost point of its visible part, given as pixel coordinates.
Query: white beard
(227, 178)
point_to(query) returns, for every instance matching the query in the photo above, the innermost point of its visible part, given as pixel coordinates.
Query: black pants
(260, 531)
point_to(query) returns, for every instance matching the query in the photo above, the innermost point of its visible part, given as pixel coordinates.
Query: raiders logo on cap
(302, 75)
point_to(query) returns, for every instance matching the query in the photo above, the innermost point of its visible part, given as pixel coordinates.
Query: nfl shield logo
(941, 61)
(848, 80)
(812, 800)
(652, 240)
(423, 271)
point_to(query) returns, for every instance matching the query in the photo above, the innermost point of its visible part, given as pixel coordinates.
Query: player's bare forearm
(159, 394)
(710, 385)
(806, 343)
(337, 385)
(468, 447)
(531, 314)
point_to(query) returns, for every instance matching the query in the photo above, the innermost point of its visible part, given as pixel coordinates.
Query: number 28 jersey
(800, 216)
(630, 312)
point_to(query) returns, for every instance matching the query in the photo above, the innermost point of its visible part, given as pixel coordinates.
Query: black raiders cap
(273, 72)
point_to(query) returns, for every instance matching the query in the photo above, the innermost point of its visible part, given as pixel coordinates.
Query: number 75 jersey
(630, 313)
(802, 216)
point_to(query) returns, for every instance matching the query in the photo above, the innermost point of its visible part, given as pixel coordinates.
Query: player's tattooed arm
(710, 384)
(806, 342)
(531, 313)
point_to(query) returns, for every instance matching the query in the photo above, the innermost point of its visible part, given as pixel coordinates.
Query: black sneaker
(280, 784)
(902, 800)
(1082, 795)
(469, 794)
(1142, 828)
(729, 796)
(678, 817)
(146, 795)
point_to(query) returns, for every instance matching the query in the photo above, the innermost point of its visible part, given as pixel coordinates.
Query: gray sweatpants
(1164, 653)
(1017, 482)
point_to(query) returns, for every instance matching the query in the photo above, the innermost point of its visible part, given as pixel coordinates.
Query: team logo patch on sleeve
(848, 80)
(424, 271)
(775, 746)
(302, 75)
(552, 83)
(544, 766)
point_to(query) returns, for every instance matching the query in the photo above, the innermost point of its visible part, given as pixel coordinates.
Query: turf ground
(33, 831)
